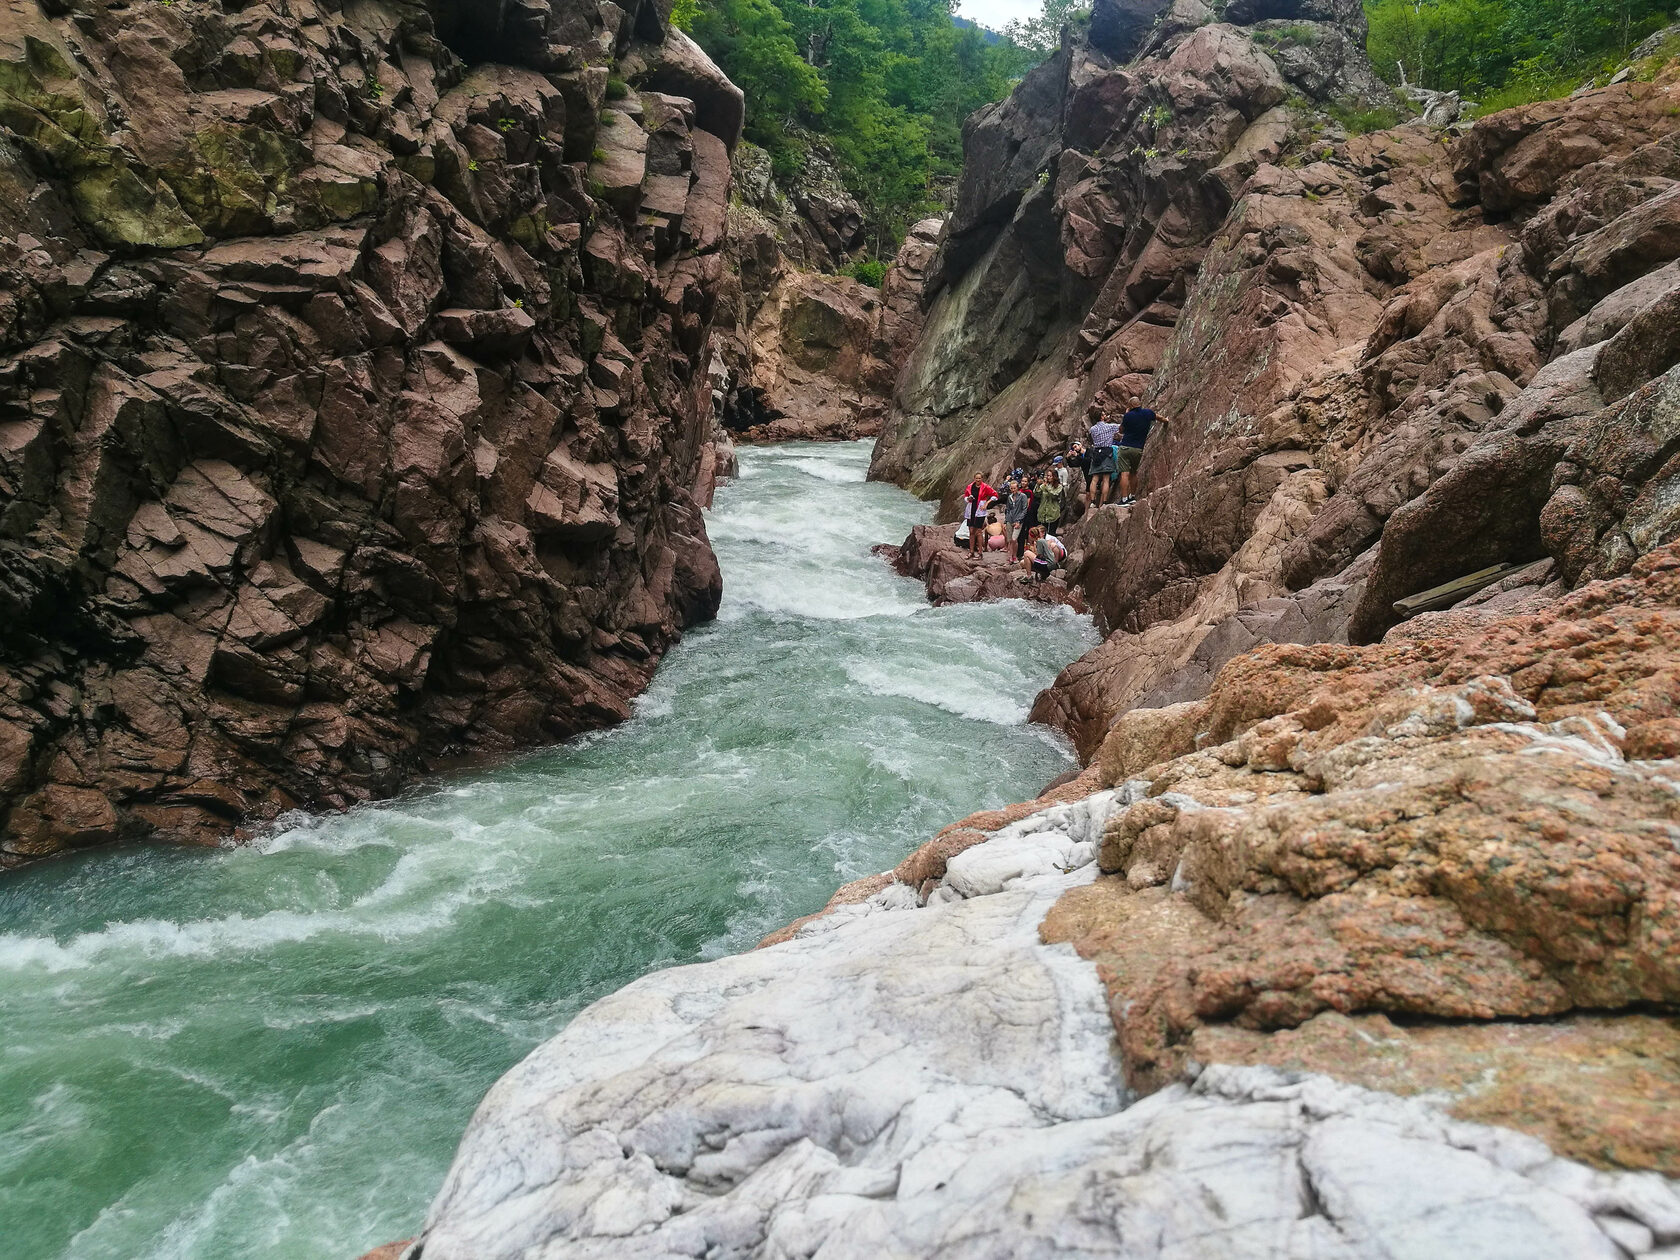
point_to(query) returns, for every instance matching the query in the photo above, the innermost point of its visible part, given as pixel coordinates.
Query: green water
(272, 1050)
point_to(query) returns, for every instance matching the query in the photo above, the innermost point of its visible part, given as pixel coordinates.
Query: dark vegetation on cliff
(352, 399)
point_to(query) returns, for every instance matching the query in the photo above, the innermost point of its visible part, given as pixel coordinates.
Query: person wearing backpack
(1104, 458)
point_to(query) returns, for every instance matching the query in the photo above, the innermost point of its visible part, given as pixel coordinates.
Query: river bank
(271, 1051)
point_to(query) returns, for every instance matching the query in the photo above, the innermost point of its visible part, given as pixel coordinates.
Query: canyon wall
(1388, 360)
(802, 350)
(1355, 936)
(353, 393)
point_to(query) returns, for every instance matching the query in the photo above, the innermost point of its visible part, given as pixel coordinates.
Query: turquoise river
(271, 1050)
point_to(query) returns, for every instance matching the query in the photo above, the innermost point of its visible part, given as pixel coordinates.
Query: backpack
(1050, 503)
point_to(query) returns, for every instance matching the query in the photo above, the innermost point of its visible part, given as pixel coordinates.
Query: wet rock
(1447, 826)
(954, 576)
(971, 1085)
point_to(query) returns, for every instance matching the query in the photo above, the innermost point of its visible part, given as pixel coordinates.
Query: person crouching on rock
(997, 533)
(1103, 460)
(1048, 552)
(1134, 432)
(977, 497)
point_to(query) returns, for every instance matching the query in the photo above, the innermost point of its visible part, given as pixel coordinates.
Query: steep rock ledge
(916, 1080)
(352, 393)
(1390, 360)
(804, 352)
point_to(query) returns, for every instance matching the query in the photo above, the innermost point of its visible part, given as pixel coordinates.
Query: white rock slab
(936, 1082)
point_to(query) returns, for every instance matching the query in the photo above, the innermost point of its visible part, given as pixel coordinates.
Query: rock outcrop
(954, 576)
(1389, 360)
(921, 1076)
(1087, 201)
(352, 394)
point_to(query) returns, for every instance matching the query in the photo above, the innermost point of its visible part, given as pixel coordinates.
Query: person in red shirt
(977, 497)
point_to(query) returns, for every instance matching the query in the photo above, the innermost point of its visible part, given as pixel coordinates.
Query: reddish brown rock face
(805, 353)
(1458, 825)
(1387, 360)
(352, 395)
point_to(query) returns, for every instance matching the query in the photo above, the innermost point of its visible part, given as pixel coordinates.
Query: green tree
(1503, 51)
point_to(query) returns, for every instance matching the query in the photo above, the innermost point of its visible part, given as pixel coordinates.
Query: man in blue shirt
(1134, 432)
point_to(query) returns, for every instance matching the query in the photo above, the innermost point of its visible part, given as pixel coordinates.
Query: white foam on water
(953, 690)
(774, 757)
(148, 939)
(827, 470)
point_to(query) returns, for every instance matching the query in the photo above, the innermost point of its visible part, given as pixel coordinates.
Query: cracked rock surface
(899, 1081)
(352, 394)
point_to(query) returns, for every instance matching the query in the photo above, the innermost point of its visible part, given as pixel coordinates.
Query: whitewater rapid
(272, 1050)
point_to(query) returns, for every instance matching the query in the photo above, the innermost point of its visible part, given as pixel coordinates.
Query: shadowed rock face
(352, 393)
(804, 352)
(1087, 201)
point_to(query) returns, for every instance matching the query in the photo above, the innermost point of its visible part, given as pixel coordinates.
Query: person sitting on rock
(977, 497)
(1134, 432)
(1048, 552)
(1104, 462)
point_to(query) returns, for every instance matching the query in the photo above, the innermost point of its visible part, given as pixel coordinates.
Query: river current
(272, 1050)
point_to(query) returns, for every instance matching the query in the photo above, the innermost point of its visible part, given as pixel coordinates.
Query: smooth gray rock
(902, 1082)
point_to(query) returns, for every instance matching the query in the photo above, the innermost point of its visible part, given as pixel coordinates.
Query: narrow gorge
(451, 487)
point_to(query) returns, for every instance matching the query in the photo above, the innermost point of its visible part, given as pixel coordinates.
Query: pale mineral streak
(899, 1081)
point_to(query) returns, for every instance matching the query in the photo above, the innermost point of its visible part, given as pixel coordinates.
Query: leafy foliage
(1505, 52)
(1357, 119)
(870, 271)
(1042, 35)
(886, 82)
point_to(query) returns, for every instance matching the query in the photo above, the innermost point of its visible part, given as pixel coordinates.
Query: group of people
(1110, 460)
(1022, 515)
(1032, 504)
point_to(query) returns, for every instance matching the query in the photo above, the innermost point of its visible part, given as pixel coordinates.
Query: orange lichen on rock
(1445, 828)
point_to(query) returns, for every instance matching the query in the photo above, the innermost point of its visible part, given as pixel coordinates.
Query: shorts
(996, 542)
(977, 524)
(1041, 568)
(1102, 462)
(1128, 457)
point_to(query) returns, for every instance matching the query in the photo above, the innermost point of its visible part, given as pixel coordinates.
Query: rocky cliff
(1356, 937)
(352, 393)
(804, 352)
(1390, 360)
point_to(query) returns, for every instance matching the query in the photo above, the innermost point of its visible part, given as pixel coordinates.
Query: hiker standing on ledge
(1103, 456)
(1134, 432)
(977, 497)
